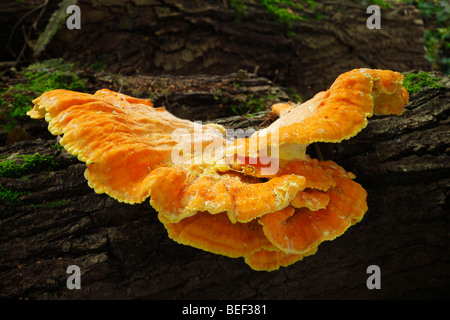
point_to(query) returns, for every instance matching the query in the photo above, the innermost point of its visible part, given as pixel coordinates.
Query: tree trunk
(208, 36)
(123, 250)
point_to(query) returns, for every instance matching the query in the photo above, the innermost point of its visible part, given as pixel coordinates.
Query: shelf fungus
(259, 197)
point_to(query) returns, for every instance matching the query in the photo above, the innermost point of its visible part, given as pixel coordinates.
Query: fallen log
(51, 220)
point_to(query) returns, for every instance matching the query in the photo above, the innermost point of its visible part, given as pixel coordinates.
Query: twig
(41, 6)
(318, 152)
(7, 64)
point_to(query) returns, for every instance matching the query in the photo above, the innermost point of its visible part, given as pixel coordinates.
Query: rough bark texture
(123, 251)
(205, 36)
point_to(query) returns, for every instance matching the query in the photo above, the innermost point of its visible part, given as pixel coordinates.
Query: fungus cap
(330, 116)
(122, 139)
(225, 201)
(297, 231)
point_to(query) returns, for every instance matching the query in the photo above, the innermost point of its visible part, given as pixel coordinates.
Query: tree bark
(207, 36)
(124, 253)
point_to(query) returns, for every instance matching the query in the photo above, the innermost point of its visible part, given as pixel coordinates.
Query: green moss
(413, 82)
(380, 3)
(293, 94)
(31, 163)
(98, 66)
(239, 7)
(58, 146)
(9, 196)
(282, 10)
(249, 106)
(16, 101)
(52, 74)
(52, 204)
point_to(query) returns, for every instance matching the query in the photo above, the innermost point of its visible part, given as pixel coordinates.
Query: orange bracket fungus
(260, 197)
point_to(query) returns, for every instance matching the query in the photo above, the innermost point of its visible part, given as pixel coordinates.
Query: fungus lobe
(215, 194)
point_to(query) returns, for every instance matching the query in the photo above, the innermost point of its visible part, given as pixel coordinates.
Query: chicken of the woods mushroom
(261, 197)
